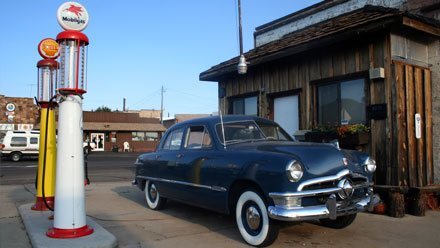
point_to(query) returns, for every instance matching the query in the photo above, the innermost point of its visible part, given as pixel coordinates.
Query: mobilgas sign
(72, 16)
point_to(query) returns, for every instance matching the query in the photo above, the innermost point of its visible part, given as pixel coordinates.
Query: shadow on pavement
(213, 221)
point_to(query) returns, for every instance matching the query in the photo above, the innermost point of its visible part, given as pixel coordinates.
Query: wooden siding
(301, 73)
(401, 159)
(413, 155)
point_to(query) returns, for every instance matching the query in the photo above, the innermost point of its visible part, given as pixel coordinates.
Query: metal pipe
(240, 35)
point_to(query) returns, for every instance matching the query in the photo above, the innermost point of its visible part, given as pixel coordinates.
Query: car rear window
(174, 140)
(18, 141)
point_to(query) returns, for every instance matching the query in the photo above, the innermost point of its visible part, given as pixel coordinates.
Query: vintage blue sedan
(251, 167)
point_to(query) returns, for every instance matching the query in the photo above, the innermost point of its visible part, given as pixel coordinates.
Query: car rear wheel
(253, 221)
(340, 222)
(152, 196)
(16, 156)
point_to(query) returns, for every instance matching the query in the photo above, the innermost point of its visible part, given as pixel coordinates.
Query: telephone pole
(161, 105)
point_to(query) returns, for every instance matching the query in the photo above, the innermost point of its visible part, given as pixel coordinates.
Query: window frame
(33, 138)
(14, 143)
(243, 98)
(339, 80)
(169, 135)
(187, 136)
(144, 137)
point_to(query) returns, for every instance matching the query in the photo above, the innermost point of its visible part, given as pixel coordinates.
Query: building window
(341, 103)
(245, 106)
(144, 136)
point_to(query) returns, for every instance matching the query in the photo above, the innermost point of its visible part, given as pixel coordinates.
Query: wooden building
(350, 61)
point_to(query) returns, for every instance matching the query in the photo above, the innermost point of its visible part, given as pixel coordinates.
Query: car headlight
(370, 165)
(294, 171)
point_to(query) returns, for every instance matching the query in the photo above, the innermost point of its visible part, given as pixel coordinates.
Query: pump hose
(45, 155)
(86, 169)
(36, 174)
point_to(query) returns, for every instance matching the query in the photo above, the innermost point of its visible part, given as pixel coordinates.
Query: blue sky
(138, 46)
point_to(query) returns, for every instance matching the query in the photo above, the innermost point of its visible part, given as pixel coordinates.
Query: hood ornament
(346, 187)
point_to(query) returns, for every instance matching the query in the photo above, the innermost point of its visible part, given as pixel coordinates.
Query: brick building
(110, 130)
(18, 113)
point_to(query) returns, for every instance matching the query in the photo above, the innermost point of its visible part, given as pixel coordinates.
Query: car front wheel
(152, 196)
(15, 156)
(253, 221)
(340, 222)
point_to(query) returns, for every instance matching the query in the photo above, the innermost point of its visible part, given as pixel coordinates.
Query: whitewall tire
(253, 221)
(152, 196)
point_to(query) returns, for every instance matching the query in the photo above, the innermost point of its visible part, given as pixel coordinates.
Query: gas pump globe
(73, 62)
(47, 77)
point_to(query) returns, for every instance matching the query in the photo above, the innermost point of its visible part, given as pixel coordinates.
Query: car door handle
(179, 156)
(157, 156)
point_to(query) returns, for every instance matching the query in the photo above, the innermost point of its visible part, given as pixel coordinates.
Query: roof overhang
(112, 126)
(348, 26)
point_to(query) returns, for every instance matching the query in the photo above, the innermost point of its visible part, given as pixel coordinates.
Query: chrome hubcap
(153, 192)
(253, 218)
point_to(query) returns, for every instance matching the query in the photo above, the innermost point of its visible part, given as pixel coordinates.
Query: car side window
(198, 138)
(34, 141)
(18, 141)
(174, 140)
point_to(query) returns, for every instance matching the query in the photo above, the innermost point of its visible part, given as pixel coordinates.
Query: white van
(17, 144)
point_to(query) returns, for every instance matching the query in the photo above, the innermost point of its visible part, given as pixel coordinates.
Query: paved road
(102, 167)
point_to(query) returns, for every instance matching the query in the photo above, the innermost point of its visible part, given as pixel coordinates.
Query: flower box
(357, 139)
(320, 136)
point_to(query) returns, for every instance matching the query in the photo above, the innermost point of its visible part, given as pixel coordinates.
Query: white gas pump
(70, 216)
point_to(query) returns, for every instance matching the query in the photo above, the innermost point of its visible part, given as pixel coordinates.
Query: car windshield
(236, 132)
(273, 132)
(243, 131)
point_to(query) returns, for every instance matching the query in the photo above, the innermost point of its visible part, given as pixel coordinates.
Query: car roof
(212, 120)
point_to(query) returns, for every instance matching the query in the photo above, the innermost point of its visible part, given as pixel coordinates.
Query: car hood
(318, 158)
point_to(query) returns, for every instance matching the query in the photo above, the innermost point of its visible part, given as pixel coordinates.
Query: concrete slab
(37, 223)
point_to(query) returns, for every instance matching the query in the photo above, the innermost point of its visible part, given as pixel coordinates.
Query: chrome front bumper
(330, 210)
(288, 205)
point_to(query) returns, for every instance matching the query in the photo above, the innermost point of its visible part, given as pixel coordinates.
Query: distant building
(110, 130)
(168, 122)
(146, 113)
(18, 113)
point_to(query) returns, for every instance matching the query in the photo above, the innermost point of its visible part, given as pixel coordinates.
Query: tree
(103, 109)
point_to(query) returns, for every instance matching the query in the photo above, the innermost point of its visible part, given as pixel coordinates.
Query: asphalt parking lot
(120, 208)
(102, 167)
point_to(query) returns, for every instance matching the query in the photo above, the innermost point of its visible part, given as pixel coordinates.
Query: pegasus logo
(75, 10)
